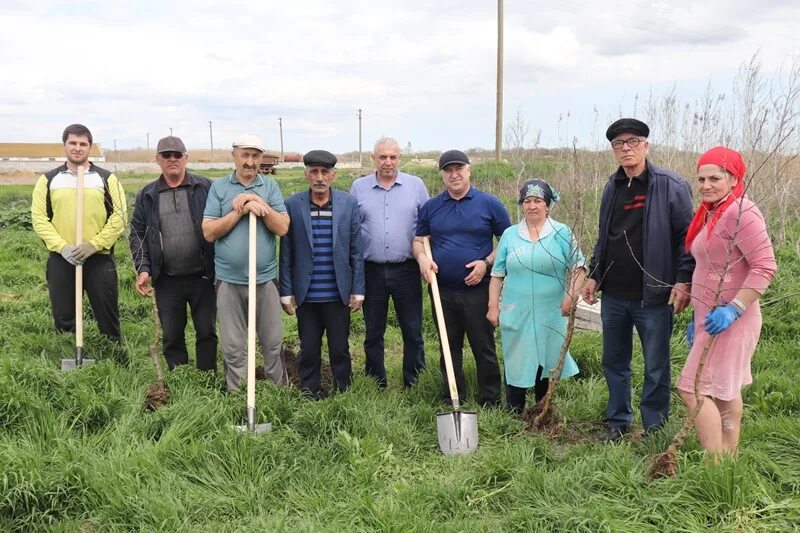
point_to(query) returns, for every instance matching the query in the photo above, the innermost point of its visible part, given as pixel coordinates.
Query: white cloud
(422, 71)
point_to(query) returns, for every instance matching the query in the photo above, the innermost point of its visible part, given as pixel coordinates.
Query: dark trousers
(515, 396)
(465, 313)
(314, 319)
(173, 293)
(654, 326)
(99, 284)
(401, 282)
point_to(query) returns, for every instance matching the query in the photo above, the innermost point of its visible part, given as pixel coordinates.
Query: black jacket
(145, 237)
(667, 215)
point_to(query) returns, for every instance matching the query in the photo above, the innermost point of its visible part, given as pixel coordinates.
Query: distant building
(43, 152)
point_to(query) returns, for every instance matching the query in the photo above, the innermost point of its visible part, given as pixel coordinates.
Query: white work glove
(68, 253)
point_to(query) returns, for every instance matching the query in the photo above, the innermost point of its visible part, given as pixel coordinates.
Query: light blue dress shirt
(389, 216)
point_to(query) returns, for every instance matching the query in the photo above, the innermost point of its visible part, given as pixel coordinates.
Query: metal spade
(458, 431)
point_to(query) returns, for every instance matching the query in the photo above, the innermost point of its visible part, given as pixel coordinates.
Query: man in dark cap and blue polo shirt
(641, 264)
(322, 271)
(226, 223)
(462, 223)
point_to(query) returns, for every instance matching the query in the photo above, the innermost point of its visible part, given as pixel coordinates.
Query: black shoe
(449, 403)
(315, 396)
(652, 430)
(612, 434)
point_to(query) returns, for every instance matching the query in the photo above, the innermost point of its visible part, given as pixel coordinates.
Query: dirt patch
(664, 465)
(292, 362)
(547, 422)
(564, 432)
(157, 397)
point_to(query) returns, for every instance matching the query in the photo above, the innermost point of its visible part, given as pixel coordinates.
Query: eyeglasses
(171, 155)
(633, 142)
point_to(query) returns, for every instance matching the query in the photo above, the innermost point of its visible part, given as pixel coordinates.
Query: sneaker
(612, 434)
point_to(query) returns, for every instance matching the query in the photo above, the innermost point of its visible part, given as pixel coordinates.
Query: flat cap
(248, 141)
(627, 125)
(319, 158)
(170, 144)
(453, 157)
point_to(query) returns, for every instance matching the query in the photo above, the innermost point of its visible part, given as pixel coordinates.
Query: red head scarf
(707, 213)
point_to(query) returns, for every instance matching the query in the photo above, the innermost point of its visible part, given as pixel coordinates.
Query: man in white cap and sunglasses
(225, 223)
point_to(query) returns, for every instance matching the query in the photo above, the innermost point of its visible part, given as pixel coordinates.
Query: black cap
(319, 158)
(170, 144)
(453, 156)
(627, 125)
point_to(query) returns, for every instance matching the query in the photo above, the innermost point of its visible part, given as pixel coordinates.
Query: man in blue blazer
(322, 271)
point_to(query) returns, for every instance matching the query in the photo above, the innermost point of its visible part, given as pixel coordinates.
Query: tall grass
(78, 451)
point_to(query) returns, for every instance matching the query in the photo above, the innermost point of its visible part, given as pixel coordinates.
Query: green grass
(79, 452)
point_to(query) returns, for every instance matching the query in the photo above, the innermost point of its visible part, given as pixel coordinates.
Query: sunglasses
(171, 155)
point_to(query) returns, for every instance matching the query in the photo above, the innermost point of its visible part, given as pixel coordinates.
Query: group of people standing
(341, 252)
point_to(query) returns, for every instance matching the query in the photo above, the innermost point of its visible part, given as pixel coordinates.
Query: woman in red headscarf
(735, 263)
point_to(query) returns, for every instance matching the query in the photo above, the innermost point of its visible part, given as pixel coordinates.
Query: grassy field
(79, 452)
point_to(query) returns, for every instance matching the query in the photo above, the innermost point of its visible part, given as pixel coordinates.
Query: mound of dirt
(292, 362)
(156, 397)
(548, 423)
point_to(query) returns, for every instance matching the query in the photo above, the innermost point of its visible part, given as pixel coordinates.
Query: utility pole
(498, 132)
(170, 132)
(280, 127)
(116, 155)
(211, 139)
(148, 142)
(359, 138)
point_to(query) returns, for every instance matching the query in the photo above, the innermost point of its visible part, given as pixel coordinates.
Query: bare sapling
(157, 394)
(542, 412)
(541, 416)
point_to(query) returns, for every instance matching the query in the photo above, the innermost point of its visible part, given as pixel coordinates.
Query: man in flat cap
(54, 212)
(462, 223)
(641, 264)
(389, 201)
(322, 271)
(225, 223)
(170, 252)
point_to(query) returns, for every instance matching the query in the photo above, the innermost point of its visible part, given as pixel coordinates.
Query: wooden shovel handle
(79, 188)
(437, 305)
(251, 312)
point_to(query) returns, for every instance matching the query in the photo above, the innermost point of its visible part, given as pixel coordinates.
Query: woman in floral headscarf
(539, 270)
(735, 264)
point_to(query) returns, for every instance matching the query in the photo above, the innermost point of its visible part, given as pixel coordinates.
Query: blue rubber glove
(690, 332)
(721, 318)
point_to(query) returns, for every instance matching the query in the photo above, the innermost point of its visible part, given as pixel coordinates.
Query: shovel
(251, 335)
(458, 431)
(79, 361)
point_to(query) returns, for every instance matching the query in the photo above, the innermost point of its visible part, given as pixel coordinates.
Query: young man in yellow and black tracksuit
(53, 212)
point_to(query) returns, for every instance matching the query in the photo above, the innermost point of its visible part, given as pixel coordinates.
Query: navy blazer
(296, 259)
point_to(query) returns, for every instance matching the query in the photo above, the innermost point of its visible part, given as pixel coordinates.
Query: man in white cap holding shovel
(225, 222)
(53, 212)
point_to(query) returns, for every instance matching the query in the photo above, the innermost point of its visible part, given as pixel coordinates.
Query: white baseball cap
(248, 141)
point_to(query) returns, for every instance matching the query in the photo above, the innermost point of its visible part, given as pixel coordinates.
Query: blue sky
(422, 71)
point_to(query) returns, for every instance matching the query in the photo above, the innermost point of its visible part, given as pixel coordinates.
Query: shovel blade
(458, 432)
(72, 364)
(257, 428)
